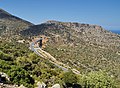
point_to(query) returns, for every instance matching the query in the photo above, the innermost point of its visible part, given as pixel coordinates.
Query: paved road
(35, 50)
(43, 55)
(46, 55)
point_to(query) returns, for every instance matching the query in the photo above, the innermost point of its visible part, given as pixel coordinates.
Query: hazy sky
(102, 12)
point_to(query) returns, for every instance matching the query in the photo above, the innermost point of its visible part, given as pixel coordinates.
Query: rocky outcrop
(41, 85)
(5, 76)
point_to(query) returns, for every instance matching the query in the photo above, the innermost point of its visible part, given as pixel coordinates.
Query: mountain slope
(81, 46)
(74, 31)
(11, 25)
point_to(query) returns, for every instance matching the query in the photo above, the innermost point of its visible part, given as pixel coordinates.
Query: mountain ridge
(86, 32)
(10, 25)
(4, 14)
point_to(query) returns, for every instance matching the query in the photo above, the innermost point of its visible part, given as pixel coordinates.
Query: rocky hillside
(82, 46)
(11, 25)
(74, 32)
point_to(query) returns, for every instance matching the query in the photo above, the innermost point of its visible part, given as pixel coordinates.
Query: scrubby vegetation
(90, 49)
(94, 79)
(25, 67)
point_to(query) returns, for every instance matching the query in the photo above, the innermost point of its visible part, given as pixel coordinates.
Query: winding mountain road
(46, 55)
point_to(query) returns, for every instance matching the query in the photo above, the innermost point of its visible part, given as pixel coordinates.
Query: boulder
(56, 86)
(41, 85)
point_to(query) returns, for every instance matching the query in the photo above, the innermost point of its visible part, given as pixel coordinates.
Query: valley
(69, 54)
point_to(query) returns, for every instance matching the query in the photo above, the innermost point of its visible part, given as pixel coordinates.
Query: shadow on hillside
(68, 85)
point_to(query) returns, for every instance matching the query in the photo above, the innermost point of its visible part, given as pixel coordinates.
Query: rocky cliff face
(11, 25)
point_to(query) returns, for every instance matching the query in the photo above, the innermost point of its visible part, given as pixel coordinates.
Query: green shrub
(20, 76)
(70, 78)
(97, 79)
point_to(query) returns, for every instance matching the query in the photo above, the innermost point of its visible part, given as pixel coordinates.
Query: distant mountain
(11, 25)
